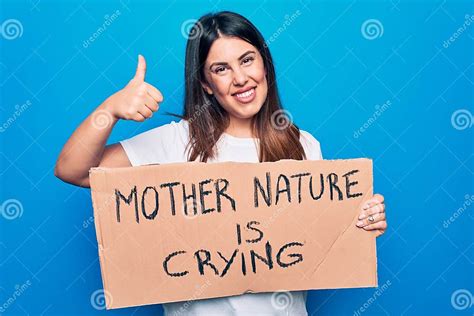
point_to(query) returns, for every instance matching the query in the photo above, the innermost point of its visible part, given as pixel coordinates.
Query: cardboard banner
(187, 231)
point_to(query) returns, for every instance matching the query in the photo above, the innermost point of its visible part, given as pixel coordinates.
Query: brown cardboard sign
(186, 231)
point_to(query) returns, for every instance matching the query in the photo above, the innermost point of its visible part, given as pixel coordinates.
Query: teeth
(245, 94)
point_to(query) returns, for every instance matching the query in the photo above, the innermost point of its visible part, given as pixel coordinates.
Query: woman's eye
(247, 60)
(219, 69)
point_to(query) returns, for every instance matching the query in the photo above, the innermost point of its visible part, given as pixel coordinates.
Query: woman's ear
(206, 87)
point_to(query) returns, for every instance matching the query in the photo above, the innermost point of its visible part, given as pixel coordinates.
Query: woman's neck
(241, 128)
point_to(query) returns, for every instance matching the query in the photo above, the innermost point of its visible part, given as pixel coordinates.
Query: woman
(231, 99)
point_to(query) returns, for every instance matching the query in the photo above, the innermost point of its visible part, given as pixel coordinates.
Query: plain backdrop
(334, 74)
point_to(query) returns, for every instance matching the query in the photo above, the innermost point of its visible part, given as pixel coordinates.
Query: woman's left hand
(372, 215)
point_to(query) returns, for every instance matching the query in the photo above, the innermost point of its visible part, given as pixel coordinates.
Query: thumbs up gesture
(138, 100)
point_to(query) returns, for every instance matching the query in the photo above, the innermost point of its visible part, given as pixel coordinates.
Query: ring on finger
(371, 219)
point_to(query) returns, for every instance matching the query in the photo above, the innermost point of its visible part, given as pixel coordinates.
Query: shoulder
(164, 144)
(308, 138)
(168, 131)
(170, 134)
(311, 146)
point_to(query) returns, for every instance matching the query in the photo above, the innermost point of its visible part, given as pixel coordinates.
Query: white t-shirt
(167, 144)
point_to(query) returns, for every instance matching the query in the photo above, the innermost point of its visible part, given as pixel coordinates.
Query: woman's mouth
(246, 96)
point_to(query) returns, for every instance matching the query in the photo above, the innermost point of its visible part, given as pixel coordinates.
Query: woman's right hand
(137, 100)
(86, 147)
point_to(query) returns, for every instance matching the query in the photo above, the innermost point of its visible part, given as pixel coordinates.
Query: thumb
(141, 68)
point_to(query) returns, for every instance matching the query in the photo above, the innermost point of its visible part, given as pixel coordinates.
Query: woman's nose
(240, 77)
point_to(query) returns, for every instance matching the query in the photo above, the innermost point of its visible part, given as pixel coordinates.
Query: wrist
(108, 107)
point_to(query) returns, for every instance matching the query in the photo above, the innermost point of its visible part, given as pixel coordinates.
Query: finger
(138, 117)
(378, 208)
(376, 199)
(151, 103)
(379, 225)
(154, 93)
(379, 197)
(377, 218)
(141, 69)
(380, 232)
(145, 111)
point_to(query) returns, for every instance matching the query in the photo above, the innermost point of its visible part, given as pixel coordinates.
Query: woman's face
(235, 75)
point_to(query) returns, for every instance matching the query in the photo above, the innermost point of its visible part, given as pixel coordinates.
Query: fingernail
(366, 206)
(362, 215)
(359, 223)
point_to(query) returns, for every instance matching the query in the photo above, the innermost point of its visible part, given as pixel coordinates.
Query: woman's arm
(86, 147)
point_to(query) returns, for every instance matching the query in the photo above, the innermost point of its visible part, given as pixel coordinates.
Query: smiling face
(235, 74)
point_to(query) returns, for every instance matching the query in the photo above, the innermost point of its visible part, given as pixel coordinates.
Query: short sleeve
(160, 145)
(311, 146)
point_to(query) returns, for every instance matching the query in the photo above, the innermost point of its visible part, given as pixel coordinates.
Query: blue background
(331, 79)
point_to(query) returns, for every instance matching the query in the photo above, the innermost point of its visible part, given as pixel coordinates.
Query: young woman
(231, 99)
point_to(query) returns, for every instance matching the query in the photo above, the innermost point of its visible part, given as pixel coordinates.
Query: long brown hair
(278, 137)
